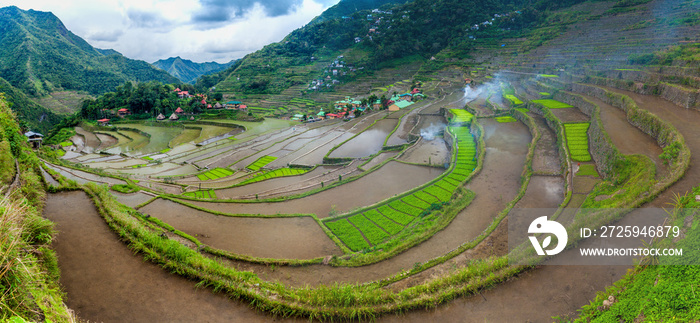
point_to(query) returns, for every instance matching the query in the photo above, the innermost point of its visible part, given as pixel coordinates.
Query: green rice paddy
(505, 119)
(204, 194)
(513, 99)
(215, 173)
(377, 225)
(577, 141)
(261, 162)
(280, 172)
(553, 104)
(461, 116)
(587, 170)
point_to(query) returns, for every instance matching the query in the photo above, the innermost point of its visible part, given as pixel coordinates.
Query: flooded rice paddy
(535, 295)
(285, 238)
(383, 183)
(105, 282)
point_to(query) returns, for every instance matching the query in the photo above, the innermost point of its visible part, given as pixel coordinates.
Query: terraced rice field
(280, 172)
(513, 99)
(505, 119)
(461, 116)
(553, 104)
(577, 141)
(371, 227)
(261, 162)
(214, 174)
(204, 194)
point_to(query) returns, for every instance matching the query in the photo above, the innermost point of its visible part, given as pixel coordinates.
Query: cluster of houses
(336, 68)
(231, 105)
(346, 108)
(487, 23)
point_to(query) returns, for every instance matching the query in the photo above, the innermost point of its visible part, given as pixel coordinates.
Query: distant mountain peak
(187, 70)
(40, 55)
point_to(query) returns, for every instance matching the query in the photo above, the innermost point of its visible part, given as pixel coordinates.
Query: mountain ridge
(188, 71)
(40, 55)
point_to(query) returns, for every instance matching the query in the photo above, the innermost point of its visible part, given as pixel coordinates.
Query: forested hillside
(375, 37)
(39, 55)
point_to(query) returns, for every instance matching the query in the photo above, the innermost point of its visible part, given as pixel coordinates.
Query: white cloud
(156, 29)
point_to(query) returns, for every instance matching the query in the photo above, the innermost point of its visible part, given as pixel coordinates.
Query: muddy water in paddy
(368, 142)
(288, 238)
(131, 199)
(271, 184)
(495, 186)
(687, 123)
(106, 141)
(434, 152)
(105, 282)
(383, 183)
(91, 141)
(546, 158)
(549, 291)
(49, 178)
(628, 138)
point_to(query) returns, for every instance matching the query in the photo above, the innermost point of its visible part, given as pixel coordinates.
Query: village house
(396, 106)
(233, 104)
(179, 110)
(34, 138)
(174, 117)
(406, 97)
(103, 122)
(123, 113)
(160, 117)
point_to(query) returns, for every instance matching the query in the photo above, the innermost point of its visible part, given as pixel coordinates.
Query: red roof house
(179, 110)
(103, 122)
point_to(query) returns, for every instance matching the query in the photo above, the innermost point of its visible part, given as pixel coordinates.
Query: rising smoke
(432, 131)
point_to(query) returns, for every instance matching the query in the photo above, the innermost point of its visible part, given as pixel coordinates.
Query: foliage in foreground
(657, 293)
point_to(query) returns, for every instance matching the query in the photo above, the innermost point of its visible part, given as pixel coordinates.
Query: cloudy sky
(199, 30)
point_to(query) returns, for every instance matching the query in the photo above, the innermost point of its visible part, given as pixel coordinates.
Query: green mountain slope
(39, 55)
(420, 28)
(34, 116)
(188, 71)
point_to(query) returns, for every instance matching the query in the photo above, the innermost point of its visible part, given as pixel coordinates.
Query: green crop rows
(408, 208)
(461, 116)
(394, 215)
(372, 232)
(280, 172)
(553, 104)
(261, 162)
(385, 223)
(505, 119)
(577, 141)
(587, 170)
(513, 99)
(215, 173)
(348, 234)
(205, 194)
(379, 224)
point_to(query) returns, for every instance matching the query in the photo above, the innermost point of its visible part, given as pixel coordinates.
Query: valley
(405, 193)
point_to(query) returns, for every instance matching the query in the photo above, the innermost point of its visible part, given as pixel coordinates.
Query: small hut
(179, 110)
(174, 117)
(160, 117)
(35, 138)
